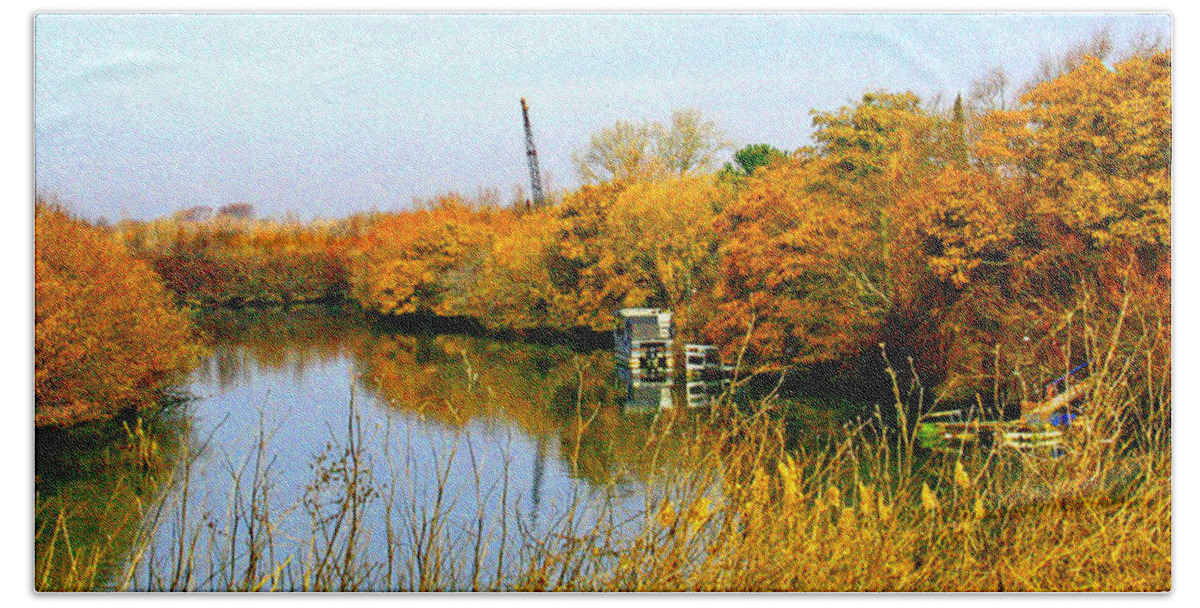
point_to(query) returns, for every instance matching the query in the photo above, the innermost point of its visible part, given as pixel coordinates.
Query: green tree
(957, 138)
(749, 159)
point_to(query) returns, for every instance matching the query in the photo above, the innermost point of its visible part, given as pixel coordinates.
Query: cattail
(960, 476)
(929, 499)
(866, 499)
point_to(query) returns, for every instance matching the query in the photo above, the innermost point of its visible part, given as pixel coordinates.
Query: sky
(139, 116)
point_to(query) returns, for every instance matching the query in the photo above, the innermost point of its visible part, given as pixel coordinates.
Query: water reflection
(292, 341)
(92, 487)
(509, 429)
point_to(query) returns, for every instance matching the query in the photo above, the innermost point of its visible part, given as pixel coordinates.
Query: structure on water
(703, 362)
(644, 344)
(647, 396)
(644, 340)
(1043, 425)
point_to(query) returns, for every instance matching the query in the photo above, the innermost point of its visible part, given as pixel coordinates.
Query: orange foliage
(806, 247)
(1092, 148)
(106, 335)
(605, 248)
(1070, 201)
(877, 150)
(591, 278)
(796, 271)
(228, 261)
(961, 222)
(662, 235)
(513, 289)
(425, 261)
(1096, 145)
(883, 230)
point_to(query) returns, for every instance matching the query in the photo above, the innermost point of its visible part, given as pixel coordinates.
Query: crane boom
(535, 175)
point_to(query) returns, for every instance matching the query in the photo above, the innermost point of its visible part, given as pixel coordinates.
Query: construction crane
(535, 176)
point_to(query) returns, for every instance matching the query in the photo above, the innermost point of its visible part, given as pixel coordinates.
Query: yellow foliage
(698, 514)
(666, 514)
(662, 235)
(866, 499)
(885, 508)
(833, 497)
(1095, 143)
(514, 289)
(847, 523)
(425, 261)
(789, 474)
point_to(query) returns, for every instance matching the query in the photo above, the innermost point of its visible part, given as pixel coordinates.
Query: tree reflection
(570, 403)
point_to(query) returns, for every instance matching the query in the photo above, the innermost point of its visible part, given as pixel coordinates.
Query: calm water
(463, 437)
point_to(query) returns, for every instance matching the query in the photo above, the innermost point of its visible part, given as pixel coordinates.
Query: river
(456, 449)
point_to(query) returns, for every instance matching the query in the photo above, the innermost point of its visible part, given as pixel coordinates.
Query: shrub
(107, 336)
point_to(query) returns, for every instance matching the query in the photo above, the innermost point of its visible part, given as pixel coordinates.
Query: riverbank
(465, 462)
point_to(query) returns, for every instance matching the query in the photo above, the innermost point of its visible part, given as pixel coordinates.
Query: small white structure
(648, 396)
(703, 361)
(704, 394)
(643, 341)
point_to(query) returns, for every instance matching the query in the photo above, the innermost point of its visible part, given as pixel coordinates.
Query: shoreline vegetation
(985, 247)
(735, 509)
(955, 235)
(107, 335)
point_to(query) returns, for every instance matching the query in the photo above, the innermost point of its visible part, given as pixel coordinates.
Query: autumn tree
(884, 145)
(957, 246)
(959, 224)
(424, 261)
(590, 277)
(107, 336)
(513, 289)
(796, 271)
(1069, 201)
(805, 259)
(662, 233)
(1097, 148)
(241, 211)
(633, 151)
(198, 213)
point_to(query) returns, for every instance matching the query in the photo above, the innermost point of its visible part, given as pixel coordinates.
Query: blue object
(1061, 419)
(1068, 374)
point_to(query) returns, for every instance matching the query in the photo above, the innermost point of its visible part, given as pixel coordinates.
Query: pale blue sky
(321, 115)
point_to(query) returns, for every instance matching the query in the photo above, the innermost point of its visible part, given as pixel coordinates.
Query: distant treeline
(974, 238)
